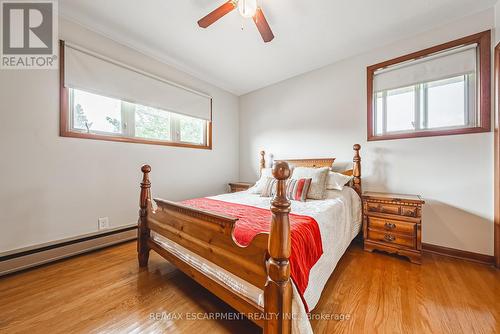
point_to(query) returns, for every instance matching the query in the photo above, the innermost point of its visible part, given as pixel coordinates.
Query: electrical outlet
(103, 223)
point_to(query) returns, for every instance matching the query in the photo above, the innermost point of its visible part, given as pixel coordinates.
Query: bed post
(262, 161)
(142, 228)
(278, 289)
(356, 170)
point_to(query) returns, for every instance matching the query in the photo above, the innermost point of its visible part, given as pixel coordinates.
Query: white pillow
(337, 181)
(332, 194)
(260, 185)
(318, 176)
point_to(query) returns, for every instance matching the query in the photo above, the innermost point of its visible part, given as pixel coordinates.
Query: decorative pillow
(318, 176)
(337, 181)
(296, 190)
(269, 187)
(259, 186)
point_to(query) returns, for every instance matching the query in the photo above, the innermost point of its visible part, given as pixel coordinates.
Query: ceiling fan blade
(263, 26)
(217, 14)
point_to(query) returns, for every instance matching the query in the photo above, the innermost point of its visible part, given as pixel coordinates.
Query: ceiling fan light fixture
(247, 8)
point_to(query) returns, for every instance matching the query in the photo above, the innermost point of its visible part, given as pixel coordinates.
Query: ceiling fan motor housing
(247, 8)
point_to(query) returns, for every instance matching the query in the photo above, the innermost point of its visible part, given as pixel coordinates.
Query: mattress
(339, 221)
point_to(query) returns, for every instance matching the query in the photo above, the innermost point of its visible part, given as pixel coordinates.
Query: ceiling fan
(247, 9)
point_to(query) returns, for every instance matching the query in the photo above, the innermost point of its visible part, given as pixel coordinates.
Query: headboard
(317, 163)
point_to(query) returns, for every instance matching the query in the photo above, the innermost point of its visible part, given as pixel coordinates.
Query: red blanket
(305, 235)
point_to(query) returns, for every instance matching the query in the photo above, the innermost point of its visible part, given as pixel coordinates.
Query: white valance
(438, 66)
(89, 71)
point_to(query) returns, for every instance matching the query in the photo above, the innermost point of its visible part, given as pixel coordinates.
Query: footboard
(263, 263)
(210, 236)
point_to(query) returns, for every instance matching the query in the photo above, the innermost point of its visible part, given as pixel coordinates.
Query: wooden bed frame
(263, 263)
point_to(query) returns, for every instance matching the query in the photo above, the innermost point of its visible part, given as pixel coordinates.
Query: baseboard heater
(25, 258)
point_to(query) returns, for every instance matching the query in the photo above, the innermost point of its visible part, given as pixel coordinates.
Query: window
(100, 115)
(441, 104)
(439, 91)
(164, 113)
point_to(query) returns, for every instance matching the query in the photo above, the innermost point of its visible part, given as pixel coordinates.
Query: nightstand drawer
(239, 186)
(235, 189)
(391, 209)
(409, 211)
(392, 238)
(390, 225)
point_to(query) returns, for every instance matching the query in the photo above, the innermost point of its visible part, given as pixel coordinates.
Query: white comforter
(339, 220)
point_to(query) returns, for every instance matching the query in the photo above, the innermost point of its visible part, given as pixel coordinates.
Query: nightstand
(393, 223)
(239, 186)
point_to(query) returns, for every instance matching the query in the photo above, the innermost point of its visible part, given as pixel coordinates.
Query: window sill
(429, 133)
(65, 133)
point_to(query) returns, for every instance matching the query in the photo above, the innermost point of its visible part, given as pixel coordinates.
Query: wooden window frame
(65, 123)
(496, 185)
(483, 41)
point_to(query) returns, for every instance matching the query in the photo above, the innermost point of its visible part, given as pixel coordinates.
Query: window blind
(98, 74)
(455, 62)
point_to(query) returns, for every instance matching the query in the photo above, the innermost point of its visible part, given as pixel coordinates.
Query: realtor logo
(29, 34)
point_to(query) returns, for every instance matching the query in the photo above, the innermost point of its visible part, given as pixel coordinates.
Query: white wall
(497, 23)
(54, 187)
(323, 113)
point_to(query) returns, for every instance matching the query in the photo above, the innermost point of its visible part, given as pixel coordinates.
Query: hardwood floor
(105, 292)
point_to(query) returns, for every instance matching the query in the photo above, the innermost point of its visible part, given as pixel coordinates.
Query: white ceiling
(309, 34)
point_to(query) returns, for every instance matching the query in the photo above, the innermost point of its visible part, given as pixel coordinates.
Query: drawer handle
(389, 237)
(390, 226)
(409, 213)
